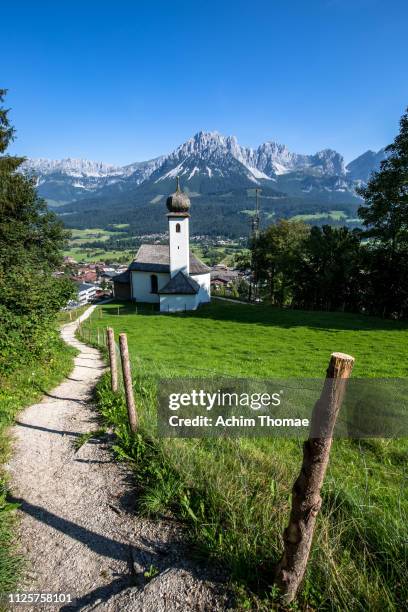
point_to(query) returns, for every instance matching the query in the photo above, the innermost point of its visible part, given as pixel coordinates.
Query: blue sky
(129, 80)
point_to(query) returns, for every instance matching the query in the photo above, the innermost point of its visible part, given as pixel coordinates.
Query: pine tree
(327, 275)
(385, 212)
(6, 130)
(31, 242)
(385, 215)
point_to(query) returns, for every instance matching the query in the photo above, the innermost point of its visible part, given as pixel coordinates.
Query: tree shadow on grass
(267, 315)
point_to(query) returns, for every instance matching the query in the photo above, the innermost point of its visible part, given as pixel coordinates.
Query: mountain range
(215, 170)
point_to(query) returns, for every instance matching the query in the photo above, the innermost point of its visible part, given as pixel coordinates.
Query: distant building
(169, 275)
(108, 275)
(69, 260)
(121, 286)
(86, 293)
(222, 276)
(88, 276)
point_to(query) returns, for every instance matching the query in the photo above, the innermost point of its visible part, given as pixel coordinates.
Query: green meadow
(334, 215)
(234, 494)
(260, 341)
(89, 254)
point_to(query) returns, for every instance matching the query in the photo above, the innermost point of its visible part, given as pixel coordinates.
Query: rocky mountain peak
(71, 167)
(208, 162)
(329, 162)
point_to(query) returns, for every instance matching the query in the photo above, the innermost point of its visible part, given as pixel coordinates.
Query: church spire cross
(178, 183)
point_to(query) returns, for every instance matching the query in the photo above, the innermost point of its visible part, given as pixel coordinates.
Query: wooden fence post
(112, 358)
(127, 379)
(306, 499)
(99, 337)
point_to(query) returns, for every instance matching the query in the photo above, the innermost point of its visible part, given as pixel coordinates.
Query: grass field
(236, 339)
(334, 215)
(87, 255)
(217, 254)
(79, 237)
(235, 493)
(66, 316)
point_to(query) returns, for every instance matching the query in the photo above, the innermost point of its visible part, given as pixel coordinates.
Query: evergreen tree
(385, 211)
(385, 215)
(275, 254)
(328, 274)
(31, 241)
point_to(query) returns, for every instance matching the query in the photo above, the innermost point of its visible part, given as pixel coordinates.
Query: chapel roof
(156, 258)
(85, 286)
(180, 283)
(178, 202)
(124, 277)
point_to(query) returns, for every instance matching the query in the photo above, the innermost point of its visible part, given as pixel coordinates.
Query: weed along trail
(78, 532)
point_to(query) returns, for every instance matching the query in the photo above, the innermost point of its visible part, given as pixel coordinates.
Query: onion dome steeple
(178, 202)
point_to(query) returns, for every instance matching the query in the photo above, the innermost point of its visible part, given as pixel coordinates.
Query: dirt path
(78, 531)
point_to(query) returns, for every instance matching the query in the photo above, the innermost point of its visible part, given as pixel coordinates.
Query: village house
(168, 274)
(222, 276)
(69, 261)
(86, 293)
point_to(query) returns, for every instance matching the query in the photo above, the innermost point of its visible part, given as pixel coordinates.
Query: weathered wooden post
(118, 311)
(98, 336)
(127, 379)
(70, 315)
(306, 499)
(110, 335)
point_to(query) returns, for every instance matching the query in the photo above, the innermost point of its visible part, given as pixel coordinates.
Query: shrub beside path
(77, 528)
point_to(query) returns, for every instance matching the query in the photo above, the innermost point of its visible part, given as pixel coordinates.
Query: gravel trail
(78, 531)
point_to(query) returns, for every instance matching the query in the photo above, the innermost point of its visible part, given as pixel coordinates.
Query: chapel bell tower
(178, 205)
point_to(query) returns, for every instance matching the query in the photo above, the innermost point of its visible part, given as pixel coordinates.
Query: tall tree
(31, 241)
(275, 254)
(385, 211)
(328, 274)
(385, 215)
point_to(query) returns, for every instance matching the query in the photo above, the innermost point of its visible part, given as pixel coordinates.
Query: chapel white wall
(141, 286)
(178, 303)
(204, 280)
(179, 245)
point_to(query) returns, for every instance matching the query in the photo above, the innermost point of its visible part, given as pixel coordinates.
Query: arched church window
(178, 228)
(153, 284)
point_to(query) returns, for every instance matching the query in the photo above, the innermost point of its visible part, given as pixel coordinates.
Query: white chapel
(168, 274)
